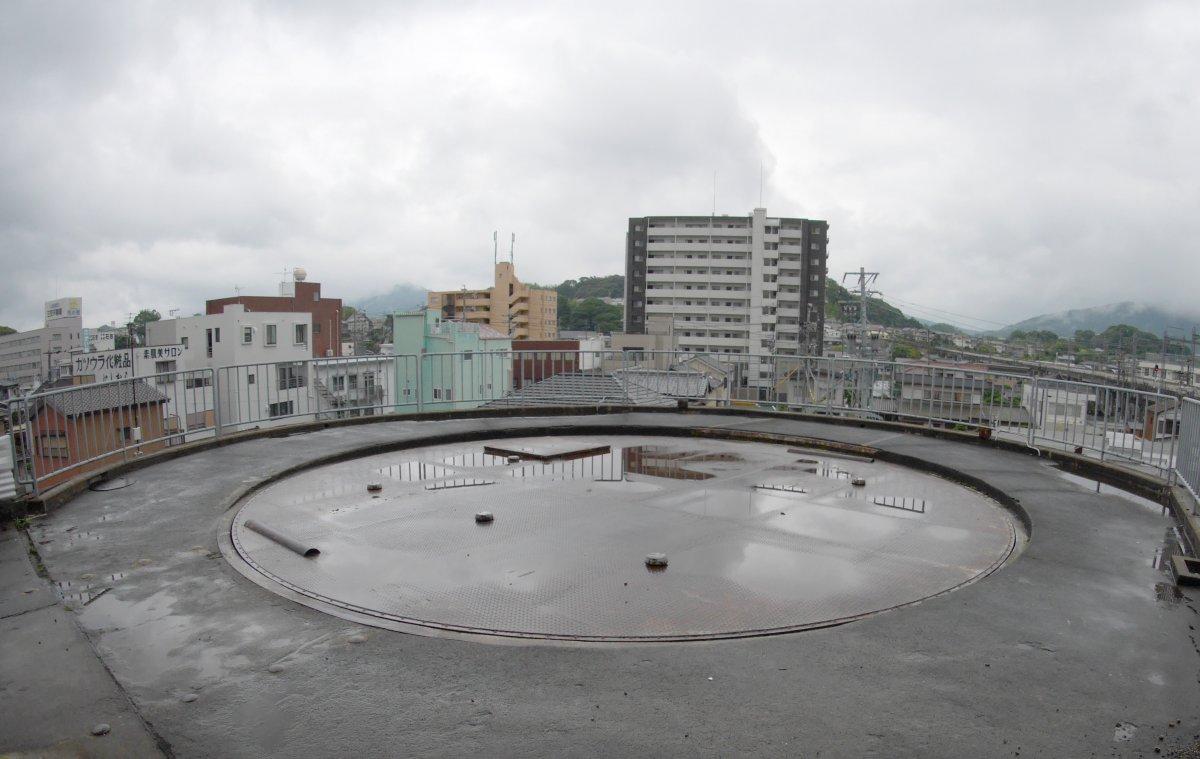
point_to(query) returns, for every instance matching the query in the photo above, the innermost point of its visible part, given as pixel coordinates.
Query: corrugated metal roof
(684, 384)
(87, 399)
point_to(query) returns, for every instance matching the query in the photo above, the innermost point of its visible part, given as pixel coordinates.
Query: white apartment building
(31, 357)
(730, 284)
(260, 356)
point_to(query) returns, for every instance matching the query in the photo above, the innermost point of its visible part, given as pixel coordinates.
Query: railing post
(417, 362)
(1033, 404)
(218, 414)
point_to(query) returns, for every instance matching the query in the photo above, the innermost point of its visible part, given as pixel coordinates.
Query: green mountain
(878, 311)
(580, 307)
(611, 286)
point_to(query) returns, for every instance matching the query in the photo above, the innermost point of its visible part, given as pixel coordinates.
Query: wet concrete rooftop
(759, 538)
(1077, 647)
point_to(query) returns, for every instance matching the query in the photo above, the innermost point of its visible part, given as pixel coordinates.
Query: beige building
(509, 307)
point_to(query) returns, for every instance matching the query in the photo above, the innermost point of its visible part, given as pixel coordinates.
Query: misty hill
(402, 297)
(1152, 319)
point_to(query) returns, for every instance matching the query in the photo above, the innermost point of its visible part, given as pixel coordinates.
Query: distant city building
(296, 296)
(357, 327)
(102, 338)
(37, 355)
(254, 343)
(731, 284)
(509, 306)
(475, 361)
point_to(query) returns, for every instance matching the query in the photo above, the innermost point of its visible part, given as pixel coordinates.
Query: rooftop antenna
(512, 244)
(714, 211)
(495, 246)
(237, 290)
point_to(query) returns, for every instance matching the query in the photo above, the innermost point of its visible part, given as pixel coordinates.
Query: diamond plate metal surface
(565, 555)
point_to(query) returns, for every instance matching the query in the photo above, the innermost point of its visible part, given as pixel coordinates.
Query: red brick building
(535, 360)
(297, 296)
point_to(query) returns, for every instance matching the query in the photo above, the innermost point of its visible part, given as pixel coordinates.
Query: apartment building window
(191, 383)
(162, 367)
(247, 335)
(317, 328)
(301, 334)
(339, 384)
(283, 408)
(437, 393)
(271, 335)
(184, 341)
(812, 293)
(290, 376)
(208, 337)
(352, 381)
(816, 246)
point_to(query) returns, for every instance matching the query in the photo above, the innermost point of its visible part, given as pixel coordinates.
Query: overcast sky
(992, 160)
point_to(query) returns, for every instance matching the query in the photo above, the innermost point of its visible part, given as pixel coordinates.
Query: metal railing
(64, 431)
(1187, 451)
(60, 432)
(276, 393)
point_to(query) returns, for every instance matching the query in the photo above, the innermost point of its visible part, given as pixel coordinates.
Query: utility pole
(1162, 364)
(1191, 362)
(864, 278)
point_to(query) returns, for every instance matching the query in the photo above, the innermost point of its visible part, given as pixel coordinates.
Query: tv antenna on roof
(512, 244)
(495, 246)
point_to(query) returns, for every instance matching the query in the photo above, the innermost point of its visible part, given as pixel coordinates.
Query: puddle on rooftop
(612, 466)
(1096, 486)
(86, 591)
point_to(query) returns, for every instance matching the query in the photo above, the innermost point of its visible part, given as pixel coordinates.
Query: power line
(921, 313)
(944, 311)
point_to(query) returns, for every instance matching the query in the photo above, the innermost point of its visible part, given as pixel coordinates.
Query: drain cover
(115, 483)
(755, 545)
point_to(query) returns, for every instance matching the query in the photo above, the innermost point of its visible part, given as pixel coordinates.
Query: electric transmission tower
(865, 278)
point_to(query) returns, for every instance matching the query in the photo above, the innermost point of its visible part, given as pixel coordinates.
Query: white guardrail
(60, 433)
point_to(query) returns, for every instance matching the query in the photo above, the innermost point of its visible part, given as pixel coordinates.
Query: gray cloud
(992, 160)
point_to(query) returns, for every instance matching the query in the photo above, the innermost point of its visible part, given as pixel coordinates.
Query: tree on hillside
(593, 315)
(6, 330)
(348, 311)
(611, 286)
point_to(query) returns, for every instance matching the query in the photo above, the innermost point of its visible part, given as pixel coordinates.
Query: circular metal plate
(761, 540)
(115, 483)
